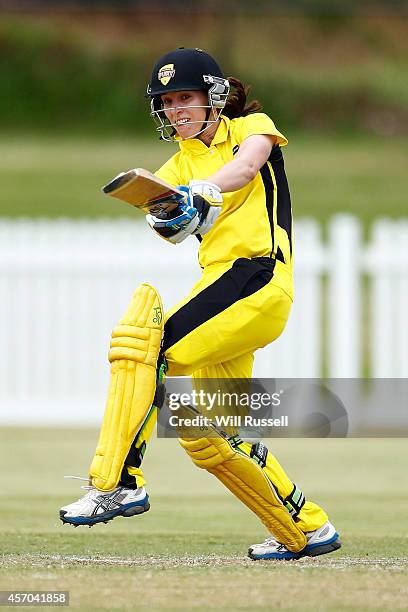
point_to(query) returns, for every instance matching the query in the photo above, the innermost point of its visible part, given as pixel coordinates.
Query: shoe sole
(314, 551)
(323, 549)
(105, 517)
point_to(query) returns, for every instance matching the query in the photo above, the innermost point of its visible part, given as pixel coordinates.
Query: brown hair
(236, 105)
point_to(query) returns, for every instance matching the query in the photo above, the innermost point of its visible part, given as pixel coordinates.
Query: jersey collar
(197, 147)
(221, 134)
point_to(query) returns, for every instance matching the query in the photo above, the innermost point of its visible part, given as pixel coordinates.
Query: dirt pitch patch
(199, 582)
(167, 562)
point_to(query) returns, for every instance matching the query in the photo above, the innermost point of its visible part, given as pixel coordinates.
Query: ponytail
(236, 105)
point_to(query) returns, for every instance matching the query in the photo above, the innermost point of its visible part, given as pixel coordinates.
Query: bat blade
(144, 190)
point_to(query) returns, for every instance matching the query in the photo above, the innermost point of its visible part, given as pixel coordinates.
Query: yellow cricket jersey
(256, 220)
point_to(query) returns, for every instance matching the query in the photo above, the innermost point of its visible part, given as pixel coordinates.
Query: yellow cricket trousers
(234, 309)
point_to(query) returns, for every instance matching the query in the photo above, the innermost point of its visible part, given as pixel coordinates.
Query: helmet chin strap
(202, 130)
(207, 122)
(163, 127)
(207, 118)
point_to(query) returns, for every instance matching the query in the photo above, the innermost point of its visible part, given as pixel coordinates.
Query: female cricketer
(235, 200)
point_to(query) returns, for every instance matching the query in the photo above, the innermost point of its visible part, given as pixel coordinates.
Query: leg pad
(133, 355)
(245, 478)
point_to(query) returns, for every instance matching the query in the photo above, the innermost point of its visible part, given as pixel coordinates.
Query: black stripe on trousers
(245, 277)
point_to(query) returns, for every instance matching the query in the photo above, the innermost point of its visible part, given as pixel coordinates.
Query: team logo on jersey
(166, 73)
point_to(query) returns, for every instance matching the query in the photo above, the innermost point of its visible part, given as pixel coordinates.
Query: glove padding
(209, 191)
(176, 225)
(195, 213)
(207, 199)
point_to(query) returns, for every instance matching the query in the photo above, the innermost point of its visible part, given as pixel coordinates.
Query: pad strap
(294, 502)
(259, 453)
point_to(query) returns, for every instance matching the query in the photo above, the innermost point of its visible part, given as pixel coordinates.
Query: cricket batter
(236, 202)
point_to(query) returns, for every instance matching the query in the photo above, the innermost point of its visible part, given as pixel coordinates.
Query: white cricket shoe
(323, 540)
(99, 507)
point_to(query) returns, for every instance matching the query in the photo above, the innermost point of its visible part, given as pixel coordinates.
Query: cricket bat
(144, 190)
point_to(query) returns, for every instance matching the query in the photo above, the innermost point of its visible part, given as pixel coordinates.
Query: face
(180, 108)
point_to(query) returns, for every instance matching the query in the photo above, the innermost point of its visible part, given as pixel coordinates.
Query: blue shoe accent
(285, 555)
(311, 550)
(126, 510)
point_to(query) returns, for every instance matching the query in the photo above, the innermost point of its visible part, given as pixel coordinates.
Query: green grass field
(189, 551)
(62, 176)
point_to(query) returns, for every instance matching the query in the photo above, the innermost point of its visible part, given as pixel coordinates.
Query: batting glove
(176, 225)
(207, 198)
(198, 209)
(210, 191)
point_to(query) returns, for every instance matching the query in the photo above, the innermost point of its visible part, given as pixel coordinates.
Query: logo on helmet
(166, 73)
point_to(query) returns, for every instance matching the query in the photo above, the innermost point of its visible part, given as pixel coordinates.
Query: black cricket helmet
(186, 70)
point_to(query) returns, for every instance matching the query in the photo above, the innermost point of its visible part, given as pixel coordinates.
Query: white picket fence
(64, 284)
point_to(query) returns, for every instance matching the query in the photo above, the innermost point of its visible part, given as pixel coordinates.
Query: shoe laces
(90, 488)
(78, 478)
(271, 541)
